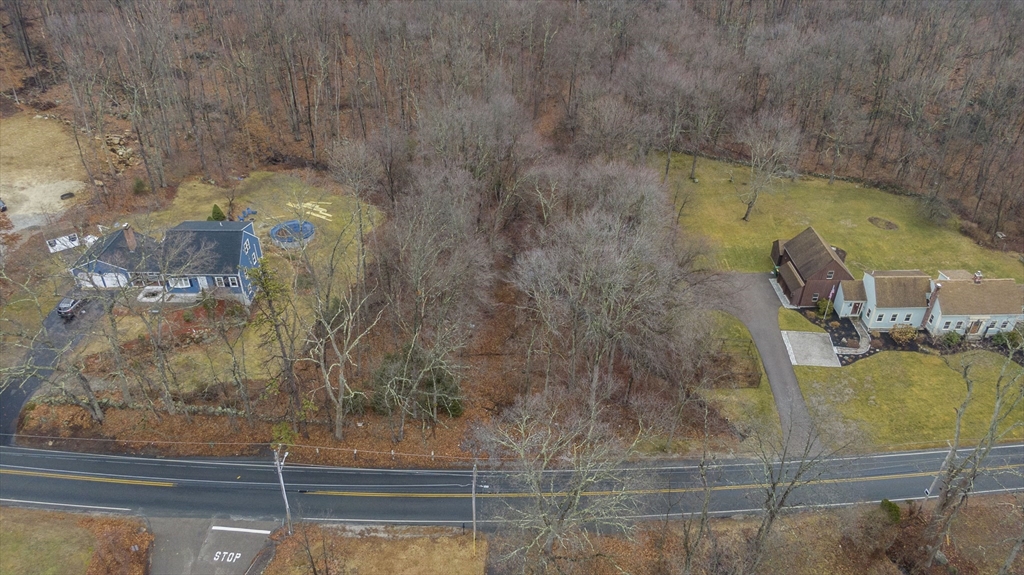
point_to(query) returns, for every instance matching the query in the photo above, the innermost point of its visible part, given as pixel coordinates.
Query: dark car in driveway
(69, 306)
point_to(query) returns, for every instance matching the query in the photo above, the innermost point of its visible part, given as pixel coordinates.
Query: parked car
(69, 306)
(3, 206)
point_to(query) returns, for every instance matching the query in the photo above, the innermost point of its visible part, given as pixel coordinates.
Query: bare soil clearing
(38, 163)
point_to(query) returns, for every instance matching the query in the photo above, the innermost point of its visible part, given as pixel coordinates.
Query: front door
(975, 327)
(856, 309)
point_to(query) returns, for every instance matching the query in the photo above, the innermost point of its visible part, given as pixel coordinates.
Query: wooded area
(519, 152)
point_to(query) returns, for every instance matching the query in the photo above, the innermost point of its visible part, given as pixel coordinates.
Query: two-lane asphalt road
(249, 489)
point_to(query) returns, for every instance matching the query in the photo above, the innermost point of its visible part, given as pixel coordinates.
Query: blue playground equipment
(292, 234)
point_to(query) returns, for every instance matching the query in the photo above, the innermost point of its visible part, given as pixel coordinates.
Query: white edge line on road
(65, 505)
(651, 516)
(240, 530)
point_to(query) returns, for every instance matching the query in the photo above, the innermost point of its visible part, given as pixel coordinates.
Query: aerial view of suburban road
(243, 497)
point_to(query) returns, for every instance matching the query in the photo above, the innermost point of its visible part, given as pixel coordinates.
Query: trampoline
(292, 234)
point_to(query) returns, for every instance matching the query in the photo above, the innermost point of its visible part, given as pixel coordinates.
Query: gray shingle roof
(991, 296)
(853, 290)
(901, 288)
(113, 249)
(204, 248)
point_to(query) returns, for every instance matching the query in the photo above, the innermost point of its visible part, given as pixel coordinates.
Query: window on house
(219, 281)
(931, 319)
(868, 315)
(152, 275)
(992, 324)
(179, 283)
(814, 297)
(907, 317)
(880, 317)
(959, 324)
(1005, 323)
(233, 281)
(830, 275)
(945, 325)
(892, 317)
(245, 246)
(253, 258)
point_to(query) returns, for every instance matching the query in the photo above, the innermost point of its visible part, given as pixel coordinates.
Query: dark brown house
(807, 268)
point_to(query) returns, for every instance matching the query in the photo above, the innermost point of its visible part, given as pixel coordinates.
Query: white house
(896, 297)
(973, 306)
(850, 298)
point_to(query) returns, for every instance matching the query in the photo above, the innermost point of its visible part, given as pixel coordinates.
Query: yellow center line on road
(94, 478)
(398, 495)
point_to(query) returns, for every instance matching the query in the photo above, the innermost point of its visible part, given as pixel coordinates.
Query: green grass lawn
(43, 543)
(839, 212)
(749, 407)
(793, 320)
(276, 198)
(902, 400)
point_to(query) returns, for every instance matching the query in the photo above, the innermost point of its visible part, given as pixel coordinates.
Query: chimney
(977, 277)
(931, 305)
(129, 238)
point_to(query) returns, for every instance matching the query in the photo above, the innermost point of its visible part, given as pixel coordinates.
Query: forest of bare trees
(520, 151)
(921, 97)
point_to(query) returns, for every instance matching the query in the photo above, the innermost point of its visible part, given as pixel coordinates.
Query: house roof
(789, 275)
(853, 290)
(204, 248)
(901, 288)
(991, 296)
(955, 275)
(113, 249)
(778, 247)
(810, 253)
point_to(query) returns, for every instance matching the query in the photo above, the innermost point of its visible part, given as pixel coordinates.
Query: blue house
(211, 257)
(118, 259)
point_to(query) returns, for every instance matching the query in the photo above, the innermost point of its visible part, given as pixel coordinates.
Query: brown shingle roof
(901, 288)
(994, 296)
(853, 290)
(810, 253)
(789, 275)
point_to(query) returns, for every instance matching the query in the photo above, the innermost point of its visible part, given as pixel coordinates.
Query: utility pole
(279, 465)
(474, 508)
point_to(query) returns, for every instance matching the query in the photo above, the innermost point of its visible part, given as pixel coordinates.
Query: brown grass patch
(411, 551)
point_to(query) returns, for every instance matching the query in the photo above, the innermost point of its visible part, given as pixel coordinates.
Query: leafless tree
(571, 467)
(772, 140)
(786, 463)
(960, 471)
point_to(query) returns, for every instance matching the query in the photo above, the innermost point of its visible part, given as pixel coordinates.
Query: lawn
(839, 212)
(52, 543)
(904, 400)
(749, 407)
(792, 320)
(43, 543)
(276, 197)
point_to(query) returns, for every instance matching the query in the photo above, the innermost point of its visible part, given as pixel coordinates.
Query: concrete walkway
(752, 298)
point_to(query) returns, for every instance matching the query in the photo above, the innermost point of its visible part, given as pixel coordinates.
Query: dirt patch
(39, 162)
(883, 223)
(372, 552)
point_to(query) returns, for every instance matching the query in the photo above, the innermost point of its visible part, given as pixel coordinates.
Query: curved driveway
(751, 298)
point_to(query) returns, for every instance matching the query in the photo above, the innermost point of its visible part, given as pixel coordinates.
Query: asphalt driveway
(751, 298)
(57, 335)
